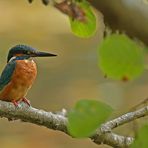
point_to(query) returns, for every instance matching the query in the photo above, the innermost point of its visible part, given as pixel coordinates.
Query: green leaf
(86, 117)
(120, 57)
(142, 139)
(85, 28)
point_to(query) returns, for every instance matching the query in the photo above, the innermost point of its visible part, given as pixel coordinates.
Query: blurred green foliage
(120, 57)
(86, 117)
(86, 27)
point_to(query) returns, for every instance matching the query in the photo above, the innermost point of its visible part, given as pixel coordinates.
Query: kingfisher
(19, 73)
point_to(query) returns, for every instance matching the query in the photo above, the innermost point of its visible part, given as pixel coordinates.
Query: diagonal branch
(126, 118)
(58, 121)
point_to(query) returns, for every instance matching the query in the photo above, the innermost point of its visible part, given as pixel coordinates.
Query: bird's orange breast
(22, 79)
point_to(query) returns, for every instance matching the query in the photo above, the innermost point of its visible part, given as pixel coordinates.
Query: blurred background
(130, 16)
(63, 80)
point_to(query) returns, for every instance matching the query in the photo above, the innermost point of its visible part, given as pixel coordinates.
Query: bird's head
(26, 52)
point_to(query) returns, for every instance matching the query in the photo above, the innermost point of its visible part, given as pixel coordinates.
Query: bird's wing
(7, 74)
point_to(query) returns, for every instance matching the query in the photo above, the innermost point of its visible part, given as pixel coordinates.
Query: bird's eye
(28, 52)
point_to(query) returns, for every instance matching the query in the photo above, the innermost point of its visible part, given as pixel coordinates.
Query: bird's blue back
(7, 74)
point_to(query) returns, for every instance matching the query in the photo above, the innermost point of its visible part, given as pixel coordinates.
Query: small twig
(68, 7)
(126, 118)
(143, 102)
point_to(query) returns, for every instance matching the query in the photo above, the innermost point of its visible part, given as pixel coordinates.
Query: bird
(19, 73)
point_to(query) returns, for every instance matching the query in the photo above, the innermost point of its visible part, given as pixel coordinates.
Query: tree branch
(68, 7)
(33, 115)
(126, 118)
(58, 121)
(118, 16)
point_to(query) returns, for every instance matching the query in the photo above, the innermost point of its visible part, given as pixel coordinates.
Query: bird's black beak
(42, 54)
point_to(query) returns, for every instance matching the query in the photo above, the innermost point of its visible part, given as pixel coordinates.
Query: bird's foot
(26, 101)
(15, 103)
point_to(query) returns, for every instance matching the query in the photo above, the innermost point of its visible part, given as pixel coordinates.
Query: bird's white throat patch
(12, 58)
